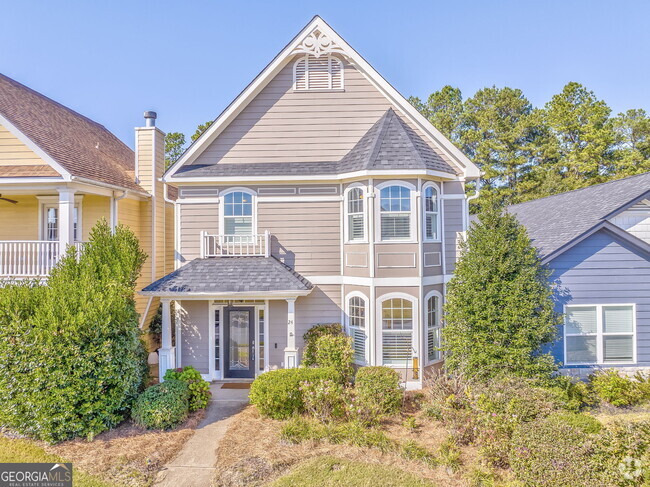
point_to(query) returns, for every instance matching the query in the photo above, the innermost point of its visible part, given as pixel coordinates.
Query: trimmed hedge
(199, 388)
(309, 358)
(277, 393)
(162, 406)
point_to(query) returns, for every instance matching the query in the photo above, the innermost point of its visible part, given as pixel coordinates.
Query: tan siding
(169, 238)
(280, 125)
(396, 254)
(93, 209)
(194, 219)
(19, 221)
(277, 332)
(453, 226)
(322, 305)
(306, 235)
(13, 151)
(194, 335)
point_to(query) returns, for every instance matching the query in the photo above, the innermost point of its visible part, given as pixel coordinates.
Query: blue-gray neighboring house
(596, 241)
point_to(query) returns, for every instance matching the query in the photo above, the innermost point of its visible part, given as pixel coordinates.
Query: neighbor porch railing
(30, 258)
(235, 245)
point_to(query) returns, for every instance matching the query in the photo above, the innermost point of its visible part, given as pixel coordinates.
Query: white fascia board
(229, 295)
(221, 122)
(385, 173)
(34, 148)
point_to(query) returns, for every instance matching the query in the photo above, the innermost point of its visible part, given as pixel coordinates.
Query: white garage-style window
(599, 334)
(434, 326)
(238, 214)
(397, 324)
(431, 213)
(356, 314)
(395, 211)
(355, 207)
(318, 73)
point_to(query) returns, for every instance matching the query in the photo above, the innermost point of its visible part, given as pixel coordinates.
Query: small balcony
(257, 244)
(25, 259)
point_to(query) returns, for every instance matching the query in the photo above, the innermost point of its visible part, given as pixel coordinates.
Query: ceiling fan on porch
(13, 202)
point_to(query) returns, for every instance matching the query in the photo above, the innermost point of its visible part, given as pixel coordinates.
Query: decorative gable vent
(318, 73)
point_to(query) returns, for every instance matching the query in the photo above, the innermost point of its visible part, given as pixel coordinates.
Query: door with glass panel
(239, 344)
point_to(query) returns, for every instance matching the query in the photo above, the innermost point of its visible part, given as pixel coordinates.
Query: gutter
(107, 185)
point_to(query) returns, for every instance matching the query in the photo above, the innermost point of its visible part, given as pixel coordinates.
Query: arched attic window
(318, 73)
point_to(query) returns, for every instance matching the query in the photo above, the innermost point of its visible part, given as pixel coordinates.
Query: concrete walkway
(194, 464)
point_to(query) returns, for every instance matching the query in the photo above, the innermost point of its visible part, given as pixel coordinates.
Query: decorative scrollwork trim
(317, 44)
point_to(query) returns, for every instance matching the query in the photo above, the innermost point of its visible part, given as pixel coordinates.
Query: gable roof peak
(318, 42)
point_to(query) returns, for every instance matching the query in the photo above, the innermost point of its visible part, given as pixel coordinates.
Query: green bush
(199, 388)
(573, 393)
(548, 452)
(309, 353)
(325, 400)
(277, 393)
(378, 388)
(71, 356)
(616, 389)
(583, 422)
(162, 406)
(336, 352)
(622, 454)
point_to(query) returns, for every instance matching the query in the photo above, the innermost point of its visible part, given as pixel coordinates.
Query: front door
(239, 356)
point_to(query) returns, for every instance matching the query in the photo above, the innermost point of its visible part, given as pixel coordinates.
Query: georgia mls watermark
(35, 475)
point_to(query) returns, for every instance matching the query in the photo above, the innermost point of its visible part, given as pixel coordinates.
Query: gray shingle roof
(231, 275)
(83, 147)
(555, 221)
(389, 144)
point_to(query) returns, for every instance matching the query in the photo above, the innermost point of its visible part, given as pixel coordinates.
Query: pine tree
(499, 311)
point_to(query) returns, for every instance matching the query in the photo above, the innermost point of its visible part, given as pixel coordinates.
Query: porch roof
(219, 276)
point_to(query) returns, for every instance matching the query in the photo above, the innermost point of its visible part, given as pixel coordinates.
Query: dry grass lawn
(252, 454)
(128, 455)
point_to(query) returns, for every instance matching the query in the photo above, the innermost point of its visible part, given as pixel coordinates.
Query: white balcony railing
(235, 245)
(27, 258)
(30, 258)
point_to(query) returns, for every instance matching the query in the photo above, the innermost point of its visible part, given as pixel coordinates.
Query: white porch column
(166, 353)
(291, 352)
(66, 219)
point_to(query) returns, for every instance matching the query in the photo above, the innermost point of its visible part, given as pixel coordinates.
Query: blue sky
(111, 60)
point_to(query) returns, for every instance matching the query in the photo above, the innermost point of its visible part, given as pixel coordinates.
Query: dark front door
(239, 330)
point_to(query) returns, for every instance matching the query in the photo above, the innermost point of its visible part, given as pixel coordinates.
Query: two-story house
(60, 172)
(318, 195)
(596, 242)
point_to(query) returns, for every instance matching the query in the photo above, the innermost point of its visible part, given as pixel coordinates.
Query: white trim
(364, 213)
(386, 173)
(284, 57)
(346, 307)
(600, 359)
(413, 193)
(16, 132)
(425, 312)
(296, 199)
(53, 202)
(222, 207)
(427, 185)
(226, 295)
(379, 281)
(454, 196)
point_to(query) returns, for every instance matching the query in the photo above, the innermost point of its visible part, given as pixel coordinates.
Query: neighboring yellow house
(60, 172)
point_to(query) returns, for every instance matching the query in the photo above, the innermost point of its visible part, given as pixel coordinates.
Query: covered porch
(234, 317)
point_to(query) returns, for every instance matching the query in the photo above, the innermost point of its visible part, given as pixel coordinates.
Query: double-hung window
(397, 331)
(357, 327)
(395, 211)
(356, 220)
(431, 214)
(599, 334)
(238, 216)
(434, 325)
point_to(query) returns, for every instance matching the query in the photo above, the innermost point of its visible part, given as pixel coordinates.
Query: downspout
(114, 209)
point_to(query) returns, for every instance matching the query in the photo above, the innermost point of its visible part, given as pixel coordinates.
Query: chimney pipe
(150, 119)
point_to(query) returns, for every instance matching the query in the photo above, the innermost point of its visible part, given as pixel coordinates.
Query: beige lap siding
(195, 341)
(306, 235)
(19, 221)
(281, 125)
(13, 151)
(195, 218)
(277, 333)
(453, 226)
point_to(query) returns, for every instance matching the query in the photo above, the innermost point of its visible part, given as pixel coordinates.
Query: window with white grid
(356, 219)
(238, 214)
(395, 211)
(357, 327)
(397, 331)
(599, 334)
(434, 325)
(431, 214)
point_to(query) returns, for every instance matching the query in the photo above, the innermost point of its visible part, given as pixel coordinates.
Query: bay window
(356, 219)
(434, 325)
(357, 327)
(599, 334)
(431, 214)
